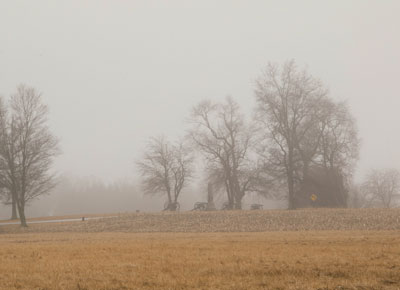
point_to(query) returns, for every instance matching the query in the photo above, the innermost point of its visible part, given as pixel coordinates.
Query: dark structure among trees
(322, 188)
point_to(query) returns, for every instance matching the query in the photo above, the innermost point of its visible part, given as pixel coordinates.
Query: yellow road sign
(313, 197)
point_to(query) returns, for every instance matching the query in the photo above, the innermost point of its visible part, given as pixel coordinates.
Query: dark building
(322, 188)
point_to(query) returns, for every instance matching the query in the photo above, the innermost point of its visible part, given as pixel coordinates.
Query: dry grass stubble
(273, 260)
(229, 221)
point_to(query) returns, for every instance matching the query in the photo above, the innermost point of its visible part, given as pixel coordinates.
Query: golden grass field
(110, 259)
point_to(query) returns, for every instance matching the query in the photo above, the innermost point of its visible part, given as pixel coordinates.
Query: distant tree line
(300, 143)
(88, 195)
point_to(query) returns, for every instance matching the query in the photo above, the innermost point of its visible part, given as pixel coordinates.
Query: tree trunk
(238, 193)
(21, 211)
(229, 193)
(238, 196)
(291, 201)
(169, 196)
(14, 214)
(238, 203)
(290, 179)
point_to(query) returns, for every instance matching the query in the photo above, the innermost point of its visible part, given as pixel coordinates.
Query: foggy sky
(116, 72)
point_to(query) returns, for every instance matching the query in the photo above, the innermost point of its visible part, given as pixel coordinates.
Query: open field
(274, 260)
(230, 221)
(303, 249)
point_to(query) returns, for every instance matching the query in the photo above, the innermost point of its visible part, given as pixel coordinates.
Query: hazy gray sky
(116, 72)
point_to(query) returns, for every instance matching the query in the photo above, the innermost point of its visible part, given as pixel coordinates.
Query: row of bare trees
(27, 150)
(297, 129)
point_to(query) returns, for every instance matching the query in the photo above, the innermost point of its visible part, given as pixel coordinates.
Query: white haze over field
(116, 72)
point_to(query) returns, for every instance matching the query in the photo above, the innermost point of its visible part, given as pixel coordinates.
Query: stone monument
(210, 197)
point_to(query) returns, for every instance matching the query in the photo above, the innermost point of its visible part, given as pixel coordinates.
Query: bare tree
(289, 103)
(220, 133)
(5, 194)
(27, 149)
(8, 155)
(166, 169)
(339, 142)
(382, 188)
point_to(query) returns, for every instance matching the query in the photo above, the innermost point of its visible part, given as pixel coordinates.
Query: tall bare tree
(27, 149)
(382, 188)
(220, 133)
(166, 169)
(289, 112)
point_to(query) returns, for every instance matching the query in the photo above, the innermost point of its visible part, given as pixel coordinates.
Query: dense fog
(114, 73)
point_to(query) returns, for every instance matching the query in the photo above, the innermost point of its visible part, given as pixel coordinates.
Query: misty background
(114, 73)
